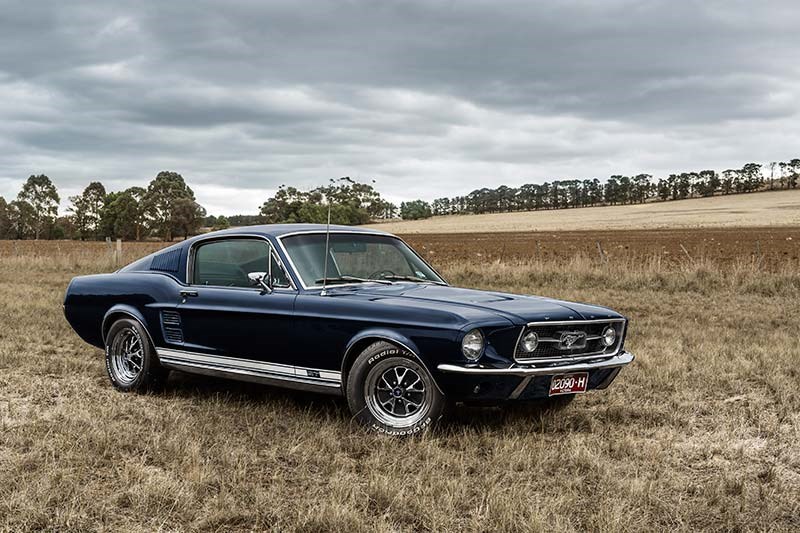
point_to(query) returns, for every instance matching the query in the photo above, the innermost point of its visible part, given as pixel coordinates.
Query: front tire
(130, 358)
(390, 391)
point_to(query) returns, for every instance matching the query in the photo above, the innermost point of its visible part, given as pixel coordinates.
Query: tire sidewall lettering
(385, 353)
(108, 365)
(378, 428)
(371, 360)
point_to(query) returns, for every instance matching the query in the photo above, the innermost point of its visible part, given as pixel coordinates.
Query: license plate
(569, 383)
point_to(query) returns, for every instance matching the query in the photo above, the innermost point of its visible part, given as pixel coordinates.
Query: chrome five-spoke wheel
(390, 391)
(127, 355)
(397, 395)
(130, 358)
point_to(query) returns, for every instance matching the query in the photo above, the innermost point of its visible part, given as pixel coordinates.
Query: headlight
(530, 341)
(472, 345)
(609, 336)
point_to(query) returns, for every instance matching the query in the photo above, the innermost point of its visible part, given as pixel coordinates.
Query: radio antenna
(324, 291)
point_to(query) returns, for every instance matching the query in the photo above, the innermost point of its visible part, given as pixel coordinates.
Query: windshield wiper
(352, 279)
(397, 277)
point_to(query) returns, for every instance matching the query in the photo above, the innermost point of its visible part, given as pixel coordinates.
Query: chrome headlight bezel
(609, 336)
(472, 345)
(529, 341)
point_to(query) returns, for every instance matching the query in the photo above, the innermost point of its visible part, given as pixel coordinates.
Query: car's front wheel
(130, 358)
(390, 391)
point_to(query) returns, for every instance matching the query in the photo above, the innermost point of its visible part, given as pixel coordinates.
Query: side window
(227, 263)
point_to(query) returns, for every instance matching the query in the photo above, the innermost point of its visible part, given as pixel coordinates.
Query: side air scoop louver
(171, 325)
(166, 261)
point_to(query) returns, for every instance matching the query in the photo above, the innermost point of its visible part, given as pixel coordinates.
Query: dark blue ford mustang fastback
(351, 311)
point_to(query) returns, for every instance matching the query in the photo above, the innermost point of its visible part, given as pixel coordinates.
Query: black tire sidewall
(366, 361)
(151, 375)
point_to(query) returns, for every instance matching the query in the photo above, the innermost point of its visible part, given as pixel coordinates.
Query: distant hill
(772, 208)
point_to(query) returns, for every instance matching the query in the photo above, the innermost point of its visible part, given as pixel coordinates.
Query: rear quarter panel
(89, 299)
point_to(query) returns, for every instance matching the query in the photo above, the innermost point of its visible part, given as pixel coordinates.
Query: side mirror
(261, 279)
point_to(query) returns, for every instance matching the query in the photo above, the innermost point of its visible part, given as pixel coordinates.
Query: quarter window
(227, 263)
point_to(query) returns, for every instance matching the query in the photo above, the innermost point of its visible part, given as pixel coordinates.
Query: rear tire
(131, 361)
(390, 391)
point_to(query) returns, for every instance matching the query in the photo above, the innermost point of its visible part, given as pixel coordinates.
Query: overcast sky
(428, 98)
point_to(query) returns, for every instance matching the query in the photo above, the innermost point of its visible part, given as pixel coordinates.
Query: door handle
(186, 293)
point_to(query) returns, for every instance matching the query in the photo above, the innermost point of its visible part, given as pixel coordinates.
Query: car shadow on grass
(183, 385)
(531, 416)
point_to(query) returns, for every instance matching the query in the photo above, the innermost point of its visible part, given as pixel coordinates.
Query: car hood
(519, 309)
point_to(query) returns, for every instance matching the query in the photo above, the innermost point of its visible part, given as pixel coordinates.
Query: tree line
(165, 209)
(616, 190)
(351, 203)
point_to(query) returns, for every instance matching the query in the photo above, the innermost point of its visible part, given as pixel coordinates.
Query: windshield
(355, 258)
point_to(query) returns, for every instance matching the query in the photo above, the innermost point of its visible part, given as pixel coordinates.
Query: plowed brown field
(770, 247)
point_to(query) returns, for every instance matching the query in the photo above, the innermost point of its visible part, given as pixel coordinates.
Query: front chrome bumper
(617, 361)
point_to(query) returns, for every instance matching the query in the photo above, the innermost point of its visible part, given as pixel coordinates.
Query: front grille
(551, 348)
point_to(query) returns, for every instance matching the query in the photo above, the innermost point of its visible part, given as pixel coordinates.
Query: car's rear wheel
(390, 391)
(130, 358)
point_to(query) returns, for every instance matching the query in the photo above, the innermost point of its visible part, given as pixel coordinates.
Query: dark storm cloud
(430, 98)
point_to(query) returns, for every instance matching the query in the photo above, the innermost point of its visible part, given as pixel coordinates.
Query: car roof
(279, 230)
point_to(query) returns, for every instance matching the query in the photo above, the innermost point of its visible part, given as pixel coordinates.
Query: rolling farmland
(700, 431)
(775, 208)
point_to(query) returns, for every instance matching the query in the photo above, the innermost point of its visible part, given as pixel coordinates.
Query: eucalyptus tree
(21, 220)
(87, 209)
(752, 179)
(165, 204)
(4, 222)
(711, 182)
(793, 174)
(641, 187)
(123, 214)
(415, 210)
(441, 206)
(41, 195)
(187, 216)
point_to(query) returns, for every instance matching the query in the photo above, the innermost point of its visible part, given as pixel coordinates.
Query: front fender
(366, 337)
(381, 333)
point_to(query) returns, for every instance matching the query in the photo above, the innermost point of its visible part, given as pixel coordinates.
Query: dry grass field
(701, 432)
(773, 208)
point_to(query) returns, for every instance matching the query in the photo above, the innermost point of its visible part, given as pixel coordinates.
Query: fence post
(118, 252)
(603, 257)
(686, 252)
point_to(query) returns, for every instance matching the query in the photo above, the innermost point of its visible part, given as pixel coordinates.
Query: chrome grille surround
(550, 349)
